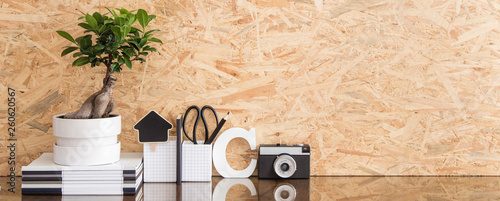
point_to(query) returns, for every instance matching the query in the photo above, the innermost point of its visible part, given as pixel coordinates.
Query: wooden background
(375, 87)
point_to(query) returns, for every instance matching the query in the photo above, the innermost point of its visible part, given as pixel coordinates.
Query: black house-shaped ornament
(153, 128)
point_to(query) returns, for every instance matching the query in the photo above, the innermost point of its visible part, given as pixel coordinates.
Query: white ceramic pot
(87, 141)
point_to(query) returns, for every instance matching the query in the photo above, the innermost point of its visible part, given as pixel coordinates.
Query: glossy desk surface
(315, 188)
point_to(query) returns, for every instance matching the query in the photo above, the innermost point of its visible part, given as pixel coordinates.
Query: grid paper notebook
(196, 161)
(160, 164)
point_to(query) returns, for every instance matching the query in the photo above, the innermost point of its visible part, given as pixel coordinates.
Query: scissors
(200, 114)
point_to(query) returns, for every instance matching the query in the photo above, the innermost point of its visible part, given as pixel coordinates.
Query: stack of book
(44, 177)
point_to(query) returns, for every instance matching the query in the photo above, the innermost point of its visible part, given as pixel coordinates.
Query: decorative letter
(219, 152)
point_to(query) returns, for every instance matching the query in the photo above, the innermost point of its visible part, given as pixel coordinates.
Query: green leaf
(143, 18)
(135, 30)
(81, 61)
(126, 50)
(116, 31)
(86, 41)
(91, 20)
(99, 47)
(115, 54)
(66, 35)
(151, 49)
(140, 59)
(120, 21)
(128, 62)
(151, 31)
(143, 42)
(115, 67)
(151, 17)
(120, 60)
(98, 52)
(77, 54)
(68, 50)
(124, 31)
(123, 11)
(98, 17)
(156, 40)
(100, 28)
(112, 12)
(134, 44)
(131, 19)
(79, 39)
(85, 25)
(108, 21)
(132, 52)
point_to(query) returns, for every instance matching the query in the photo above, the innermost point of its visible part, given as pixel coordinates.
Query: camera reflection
(283, 189)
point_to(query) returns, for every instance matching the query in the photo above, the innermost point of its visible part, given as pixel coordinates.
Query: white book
(128, 161)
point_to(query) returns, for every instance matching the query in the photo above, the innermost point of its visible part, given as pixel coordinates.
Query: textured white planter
(86, 141)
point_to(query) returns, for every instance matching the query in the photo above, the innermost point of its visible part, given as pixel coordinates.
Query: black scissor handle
(195, 123)
(205, 122)
(200, 113)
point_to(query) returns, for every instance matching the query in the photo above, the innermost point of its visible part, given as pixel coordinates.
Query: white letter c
(219, 152)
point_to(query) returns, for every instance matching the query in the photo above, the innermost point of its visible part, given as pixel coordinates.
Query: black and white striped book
(43, 176)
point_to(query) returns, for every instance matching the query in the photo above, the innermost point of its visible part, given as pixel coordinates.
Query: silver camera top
(277, 149)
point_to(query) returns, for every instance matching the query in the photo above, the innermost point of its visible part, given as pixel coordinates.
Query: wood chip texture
(375, 87)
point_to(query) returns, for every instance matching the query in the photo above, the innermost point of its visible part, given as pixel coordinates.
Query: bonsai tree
(113, 42)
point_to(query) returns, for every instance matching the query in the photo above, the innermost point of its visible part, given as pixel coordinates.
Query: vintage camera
(284, 161)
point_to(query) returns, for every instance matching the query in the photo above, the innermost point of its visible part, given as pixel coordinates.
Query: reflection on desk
(321, 188)
(138, 197)
(284, 189)
(172, 191)
(222, 188)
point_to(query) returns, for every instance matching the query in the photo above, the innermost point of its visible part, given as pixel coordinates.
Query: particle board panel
(375, 87)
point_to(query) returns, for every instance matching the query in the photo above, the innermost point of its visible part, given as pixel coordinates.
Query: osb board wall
(375, 87)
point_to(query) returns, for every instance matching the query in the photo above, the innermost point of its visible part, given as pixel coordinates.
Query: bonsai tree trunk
(99, 104)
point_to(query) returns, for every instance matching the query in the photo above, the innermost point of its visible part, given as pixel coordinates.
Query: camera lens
(284, 166)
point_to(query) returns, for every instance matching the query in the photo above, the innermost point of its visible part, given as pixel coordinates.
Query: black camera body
(279, 161)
